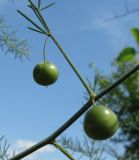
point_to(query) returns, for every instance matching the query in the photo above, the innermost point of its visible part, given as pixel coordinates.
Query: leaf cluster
(85, 148)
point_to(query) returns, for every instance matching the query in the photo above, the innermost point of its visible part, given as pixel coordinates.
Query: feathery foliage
(9, 43)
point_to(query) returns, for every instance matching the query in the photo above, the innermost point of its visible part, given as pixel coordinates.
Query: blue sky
(30, 112)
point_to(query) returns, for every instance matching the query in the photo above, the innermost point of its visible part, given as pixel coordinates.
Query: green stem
(44, 47)
(40, 17)
(72, 66)
(54, 135)
(63, 150)
(60, 130)
(39, 4)
(48, 33)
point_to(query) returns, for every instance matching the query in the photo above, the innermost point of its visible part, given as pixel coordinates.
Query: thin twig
(89, 90)
(64, 151)
(127, 12)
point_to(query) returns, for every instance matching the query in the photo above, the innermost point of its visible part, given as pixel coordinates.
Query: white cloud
(21, 145)
(24, 144)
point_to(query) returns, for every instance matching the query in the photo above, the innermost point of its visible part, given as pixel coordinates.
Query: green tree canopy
(124, 99)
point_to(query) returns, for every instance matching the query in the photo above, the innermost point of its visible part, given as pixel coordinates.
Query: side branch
(122, 15)
(60, 148)
(90, 92)
(126, 13)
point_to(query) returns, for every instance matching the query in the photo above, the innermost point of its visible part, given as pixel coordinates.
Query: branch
(39, 4)
(84, 108)
(122, 15)
(64, 151)
(48, 33)
(126, 13)
(53, 136)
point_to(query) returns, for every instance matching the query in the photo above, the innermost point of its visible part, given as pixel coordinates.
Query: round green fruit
(100, 123)
(45, 73)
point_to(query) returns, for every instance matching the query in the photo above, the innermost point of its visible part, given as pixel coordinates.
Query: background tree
(124, 99)
(9, 43)
(84, 148)
(4, 146)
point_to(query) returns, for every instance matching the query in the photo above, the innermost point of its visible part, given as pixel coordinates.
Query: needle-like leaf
(46, 7)
(39, 16)
(33, 29)
(31, 21)
(39, 4)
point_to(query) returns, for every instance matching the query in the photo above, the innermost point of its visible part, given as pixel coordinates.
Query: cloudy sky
(30, 112)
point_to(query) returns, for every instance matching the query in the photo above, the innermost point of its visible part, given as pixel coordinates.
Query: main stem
(53, 136)
(93, 98)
